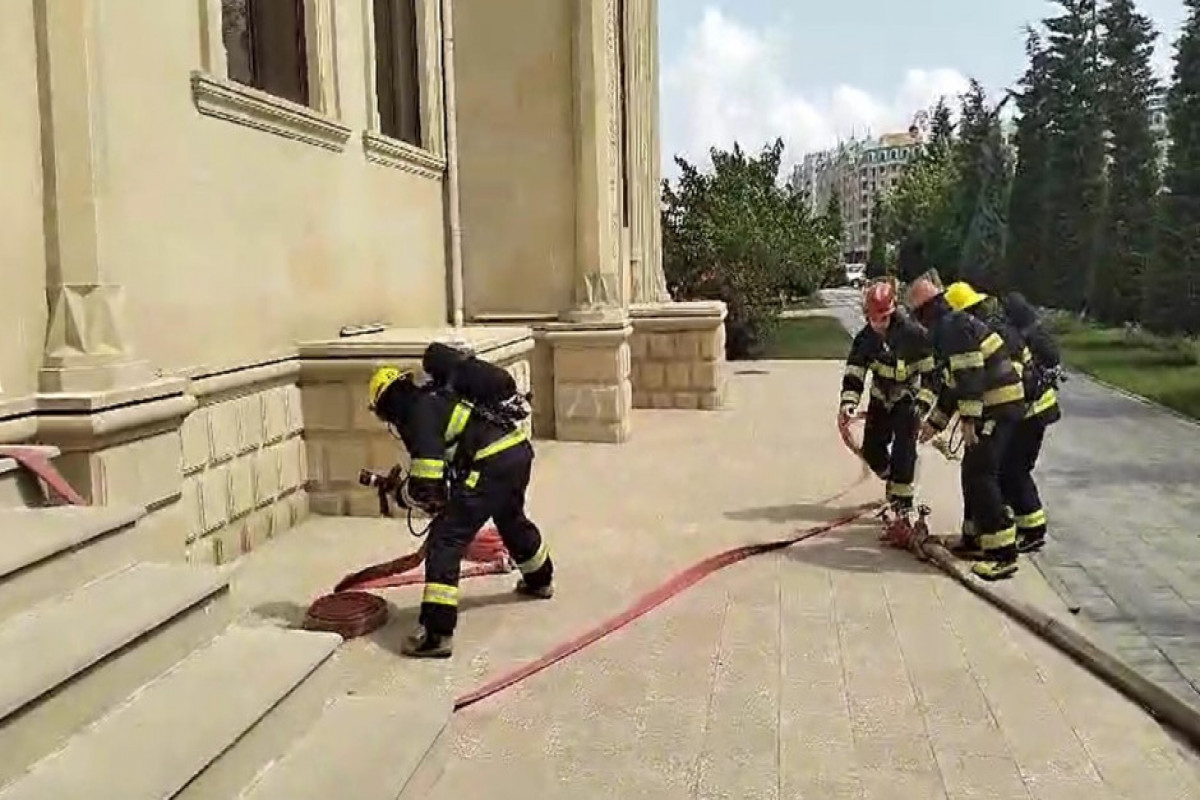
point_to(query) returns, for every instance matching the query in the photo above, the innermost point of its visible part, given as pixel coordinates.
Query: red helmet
(879, 301)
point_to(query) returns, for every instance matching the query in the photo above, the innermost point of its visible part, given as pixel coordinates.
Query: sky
(816, 72)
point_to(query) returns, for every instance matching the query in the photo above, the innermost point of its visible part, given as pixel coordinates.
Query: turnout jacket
(979, 381)
(1040, 398)
(900, 363)
(440, 430)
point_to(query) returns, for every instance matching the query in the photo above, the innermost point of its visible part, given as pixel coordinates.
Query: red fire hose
(649, 601)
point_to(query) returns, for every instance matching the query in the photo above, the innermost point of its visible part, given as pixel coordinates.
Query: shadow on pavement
(793, 512)
(855, 548)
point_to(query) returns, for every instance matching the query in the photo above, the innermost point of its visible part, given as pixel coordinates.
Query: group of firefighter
(958, 362)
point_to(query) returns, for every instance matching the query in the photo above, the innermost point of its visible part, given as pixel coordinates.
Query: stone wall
(678, 352)
(591, 369)
(344, 437)
(243, 461)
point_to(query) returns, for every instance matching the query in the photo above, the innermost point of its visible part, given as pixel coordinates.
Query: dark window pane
(397, 80)
(280, 57)
(265, 46)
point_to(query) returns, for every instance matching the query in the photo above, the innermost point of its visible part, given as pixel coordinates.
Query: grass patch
(808, 337)
(804, 303)
(1165, 370)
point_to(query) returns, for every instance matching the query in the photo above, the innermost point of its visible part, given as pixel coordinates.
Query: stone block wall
(593, 393)
(678, 359)
(243, 462)
(344, 437)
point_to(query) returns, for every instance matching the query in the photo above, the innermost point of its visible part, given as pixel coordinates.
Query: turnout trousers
(1017, 484)
(498, 494)
(890, 448)
(983, 498)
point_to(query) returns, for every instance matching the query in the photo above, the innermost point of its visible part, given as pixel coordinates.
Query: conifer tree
(1076, 183)
(1129, 86)
(1172, 284)
(1027, 258)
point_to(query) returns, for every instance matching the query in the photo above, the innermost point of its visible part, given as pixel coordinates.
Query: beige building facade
(221, 215)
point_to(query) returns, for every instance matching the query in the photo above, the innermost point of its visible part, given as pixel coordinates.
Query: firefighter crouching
(1017, 324)
(897, 356)
(981, 385)
(465, 469)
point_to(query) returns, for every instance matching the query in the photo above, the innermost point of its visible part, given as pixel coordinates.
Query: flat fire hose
(1158, 701)
(651, 600)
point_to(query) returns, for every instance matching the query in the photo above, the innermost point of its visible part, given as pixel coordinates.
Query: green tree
(919, 214)
(733, 233)
(1076, 154)
(833, 223)
(1172, 285)
(1028, 257)
(1129, 226)
(877, 265)
(941, 127)
(982, 258)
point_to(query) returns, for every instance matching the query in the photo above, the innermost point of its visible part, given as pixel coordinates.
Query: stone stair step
(52, 642)
(31, 535)
(361, 747)
(167, 732)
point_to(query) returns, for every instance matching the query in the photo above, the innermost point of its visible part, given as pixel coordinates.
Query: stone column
(598, 159)
(87, 347)
(115, 421)
(644, 170)
(593, 395)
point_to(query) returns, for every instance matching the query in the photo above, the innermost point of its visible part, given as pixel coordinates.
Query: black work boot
(542, 592)
(967, 547)
(1030, 541)
(997, 564)
(423, 644)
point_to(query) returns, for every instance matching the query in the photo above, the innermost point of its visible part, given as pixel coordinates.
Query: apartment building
(855, 172)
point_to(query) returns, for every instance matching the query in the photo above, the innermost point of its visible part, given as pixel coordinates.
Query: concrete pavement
(834, 669)
(1121, 482)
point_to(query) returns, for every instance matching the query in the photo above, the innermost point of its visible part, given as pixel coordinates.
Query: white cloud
(729, 85)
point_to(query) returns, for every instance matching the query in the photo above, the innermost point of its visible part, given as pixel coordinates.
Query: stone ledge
(692, 308)
(104, 419)
(410, 343)
(252, 108)
(18, 419)
(389, 152)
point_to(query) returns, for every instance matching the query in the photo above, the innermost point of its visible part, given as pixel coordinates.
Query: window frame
(317, 123)
(428, 158)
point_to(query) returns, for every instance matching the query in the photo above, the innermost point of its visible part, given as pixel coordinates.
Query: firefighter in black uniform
(899, 360)
(1036, 357)
(465, 469)
(982, 387)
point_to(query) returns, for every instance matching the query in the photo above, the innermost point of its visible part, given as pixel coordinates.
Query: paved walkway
(1121, 481)
(832, 670)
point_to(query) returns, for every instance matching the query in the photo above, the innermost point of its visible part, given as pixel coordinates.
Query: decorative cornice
(390, 152)
(244, 105)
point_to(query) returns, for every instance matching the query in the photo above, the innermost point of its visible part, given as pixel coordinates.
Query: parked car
(856, 275)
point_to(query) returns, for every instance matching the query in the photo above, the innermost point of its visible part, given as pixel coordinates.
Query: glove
(970, 436)
(427, 494)
(928, 432)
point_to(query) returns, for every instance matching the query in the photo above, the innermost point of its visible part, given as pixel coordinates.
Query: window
(266, 47)
(397, 71)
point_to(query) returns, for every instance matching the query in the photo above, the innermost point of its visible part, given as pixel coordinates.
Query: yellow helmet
(381, 379)
(962, 296)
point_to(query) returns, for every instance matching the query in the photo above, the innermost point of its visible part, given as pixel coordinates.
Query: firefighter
(981, 385)
(898, 357)
(465, 469)
(1036, 356)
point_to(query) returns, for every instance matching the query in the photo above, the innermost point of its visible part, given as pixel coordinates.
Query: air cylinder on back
(474, 379)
